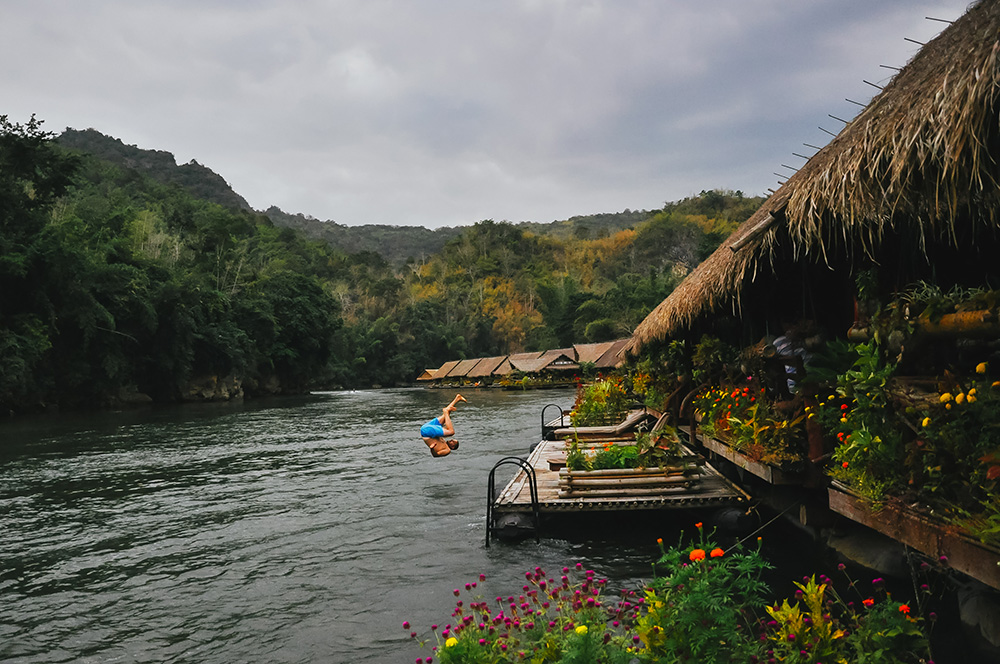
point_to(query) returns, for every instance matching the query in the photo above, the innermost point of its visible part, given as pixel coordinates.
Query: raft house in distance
(551, 368)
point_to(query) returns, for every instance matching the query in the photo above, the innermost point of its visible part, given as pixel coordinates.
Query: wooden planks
(712, 489)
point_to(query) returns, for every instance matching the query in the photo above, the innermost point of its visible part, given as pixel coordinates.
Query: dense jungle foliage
(117, 277)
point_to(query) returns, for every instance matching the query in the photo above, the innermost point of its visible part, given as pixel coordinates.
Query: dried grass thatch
(921, 158)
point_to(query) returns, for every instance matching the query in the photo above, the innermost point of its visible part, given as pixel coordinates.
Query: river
(295, 530)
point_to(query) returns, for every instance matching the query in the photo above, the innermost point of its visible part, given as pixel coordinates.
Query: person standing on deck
(434, 432)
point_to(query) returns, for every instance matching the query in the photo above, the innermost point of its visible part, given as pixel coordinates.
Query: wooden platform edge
(934, 539)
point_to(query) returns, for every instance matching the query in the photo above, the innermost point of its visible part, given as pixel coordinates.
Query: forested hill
(118, 282)
(395, 243)
(200, 181)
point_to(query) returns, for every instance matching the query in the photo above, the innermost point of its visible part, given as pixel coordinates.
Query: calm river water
(301, 530)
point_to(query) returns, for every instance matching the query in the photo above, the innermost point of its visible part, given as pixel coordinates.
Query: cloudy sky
(446, 112)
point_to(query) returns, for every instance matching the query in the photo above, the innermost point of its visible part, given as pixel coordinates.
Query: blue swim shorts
(432, 429)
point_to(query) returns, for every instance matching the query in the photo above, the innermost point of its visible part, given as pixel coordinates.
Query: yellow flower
(948, 406)
(996, 384)
(981, 368)
(946, 397)
(971, 398)
(452, 641)
(843, 419)
(582, 629)
(972, 392)
(960, 398)
(926, 422)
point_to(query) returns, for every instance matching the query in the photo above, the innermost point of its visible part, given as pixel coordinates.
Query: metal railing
(490, 492)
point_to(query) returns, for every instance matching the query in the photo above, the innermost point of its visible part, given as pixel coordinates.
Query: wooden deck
(706, 487)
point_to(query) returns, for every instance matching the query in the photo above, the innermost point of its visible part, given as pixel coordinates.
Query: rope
(778, 516)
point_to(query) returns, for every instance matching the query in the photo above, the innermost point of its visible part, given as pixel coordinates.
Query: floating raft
(561, 491)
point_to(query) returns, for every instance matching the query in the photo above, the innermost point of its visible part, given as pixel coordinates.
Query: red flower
(903, 608)
(696, 555)
(716, 553)
(868, 602)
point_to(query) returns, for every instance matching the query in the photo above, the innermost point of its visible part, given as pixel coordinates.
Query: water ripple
(271, 532)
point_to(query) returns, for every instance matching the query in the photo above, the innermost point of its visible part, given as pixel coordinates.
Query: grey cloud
(446, 112)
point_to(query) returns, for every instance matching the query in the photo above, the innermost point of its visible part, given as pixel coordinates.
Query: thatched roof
(486, 366)
(443, 370)
(558, 359)
(427, 374)
(526, 362)
(462, 368)
(920, 159)
(591, 352)
(611, 358)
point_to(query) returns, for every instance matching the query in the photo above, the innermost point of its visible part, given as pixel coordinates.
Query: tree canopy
(118, 277)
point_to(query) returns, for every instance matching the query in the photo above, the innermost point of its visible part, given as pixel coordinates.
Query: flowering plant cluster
(605, 401)
(743, 418)
(657, 448)
(704, 604)
(563, 618)
(942, 450)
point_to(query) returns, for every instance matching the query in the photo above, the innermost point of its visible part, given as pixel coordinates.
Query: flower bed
(744, 420)
(704, 604)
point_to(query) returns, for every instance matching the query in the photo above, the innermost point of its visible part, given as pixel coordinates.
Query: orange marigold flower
(698, 525)
(903, 608)
(716, 552)
(868, 602)
(844, 464)
(696, 555)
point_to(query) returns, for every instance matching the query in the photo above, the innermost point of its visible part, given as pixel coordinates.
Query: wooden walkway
(704, 487)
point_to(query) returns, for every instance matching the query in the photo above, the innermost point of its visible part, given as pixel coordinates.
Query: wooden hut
(591, 352)
(907, 191)
(443, 370)
(905, 198)
(524, 362)
(611, 358)
(485, 367)
(558, 360)
(427, 374)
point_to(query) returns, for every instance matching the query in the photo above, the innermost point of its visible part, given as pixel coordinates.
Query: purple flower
(406, 624)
